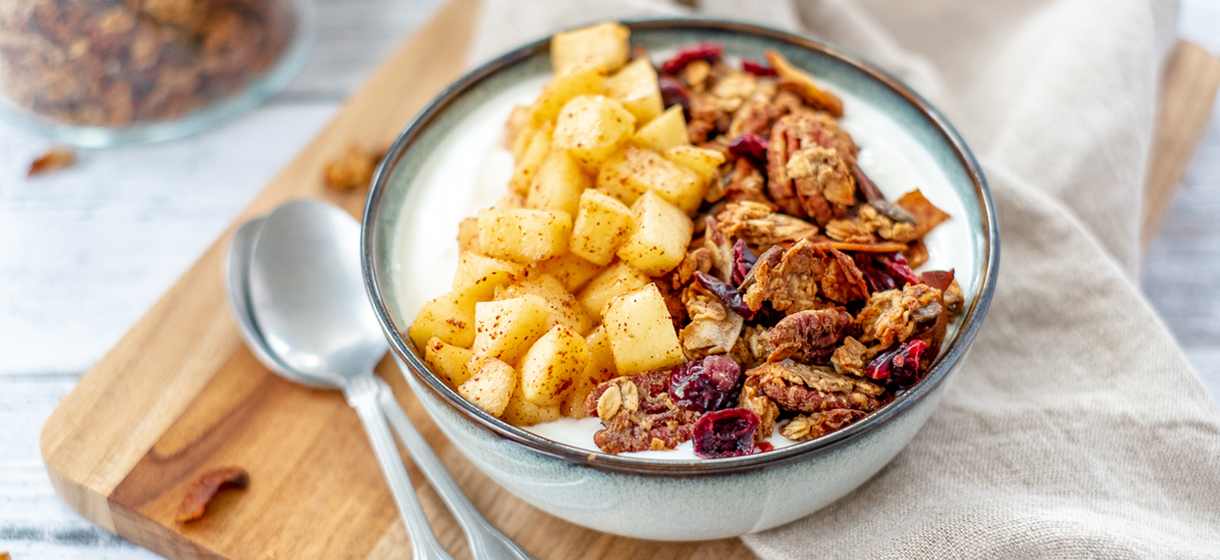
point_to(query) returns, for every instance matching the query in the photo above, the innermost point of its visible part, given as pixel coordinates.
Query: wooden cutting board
(180, 394)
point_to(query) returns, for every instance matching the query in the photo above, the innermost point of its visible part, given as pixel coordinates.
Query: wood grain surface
(193, 398)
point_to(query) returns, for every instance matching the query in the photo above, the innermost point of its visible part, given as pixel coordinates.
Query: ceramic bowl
(449, 163)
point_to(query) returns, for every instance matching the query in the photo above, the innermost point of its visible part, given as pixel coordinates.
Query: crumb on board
(201, 491)
(353, 170)
(52, 160)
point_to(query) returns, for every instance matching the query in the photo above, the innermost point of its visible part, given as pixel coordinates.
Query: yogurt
(471, 167)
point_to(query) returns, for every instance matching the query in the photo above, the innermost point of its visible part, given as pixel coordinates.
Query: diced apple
(619, 278)
(582, 79)
(572, 271)
(517, 128)
(478, 275)
(557, 184)
(665, 131)
(564, 307)
(521, 412)
(633, 171)
(602, 224)
(659, 236)
(505, 329)
(537, 148)
(600, 368)
(641, 332)
(551, 365)
(524, 235)
(591, 128)
(491, 387)
(635, 86)
(702, 161)
(450, 317)
(604, 44)
(468, 235)
(448, 362)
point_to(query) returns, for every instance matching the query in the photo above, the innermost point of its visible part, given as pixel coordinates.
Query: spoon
(485, 541)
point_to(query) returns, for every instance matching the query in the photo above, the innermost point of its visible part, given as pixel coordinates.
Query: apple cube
(572, 271)
(536, 149)
(604, 44)
(641, 332)
(557, 184)
(635, 86)
(505, 329)
(583, 79)
(524, 235)
(634, 171)
(564, 308)
(665, 131)
(551, 365)
(491, 387)
(602, 223)
(659, 236)
(619, 278)
(478, 275)
(448, 362)
(450, 317)
(591, 128)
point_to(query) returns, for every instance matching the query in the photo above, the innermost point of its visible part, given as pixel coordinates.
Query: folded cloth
(1076, 427)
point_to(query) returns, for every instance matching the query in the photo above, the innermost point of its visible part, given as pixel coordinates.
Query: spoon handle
(486, 541)
(362, 394)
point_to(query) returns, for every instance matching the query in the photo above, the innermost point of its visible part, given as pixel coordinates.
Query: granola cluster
(118, 62)
(797, 304)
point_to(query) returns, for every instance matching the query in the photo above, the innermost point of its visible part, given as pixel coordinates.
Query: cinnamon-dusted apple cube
(600, 368)
(557, 184)
(664, 132)
(582, 79)
(524, 235)
(604, 44)
(635, 86)
(641, 332)
(505, 329)
(633, 171)
(521, 412)
(591, 128)
(571, 270)
(659, 235)
(551, 365)
(478, 275)
(619, 278)
(450, 317)
(491, 387)
(468, 235)
(448, 362)
(516, 134)
(602, 224)
(536, 149)
(564, 309)
(702, 161)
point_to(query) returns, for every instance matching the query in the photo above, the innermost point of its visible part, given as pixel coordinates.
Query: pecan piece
(817, 424)
(809, 336)
(201, 491)
(805, 388)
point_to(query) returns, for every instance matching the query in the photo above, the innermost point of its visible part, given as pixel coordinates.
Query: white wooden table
(85, 252)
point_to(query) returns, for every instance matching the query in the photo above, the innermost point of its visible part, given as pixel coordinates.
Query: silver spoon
(485, 541)
(308, 302)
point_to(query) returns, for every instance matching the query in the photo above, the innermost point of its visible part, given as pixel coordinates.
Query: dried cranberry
(751, 147)
(757, 68)
(727, 294)
(703, 51)
(898, 368)
(897, 266)
(725, 433)
(743, 261)
(673, 93)
(765, 446)
(707, 384)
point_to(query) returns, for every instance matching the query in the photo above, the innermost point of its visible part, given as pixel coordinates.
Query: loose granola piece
(886, 318)
(754, 116)
(753, 400)
(817, 424)
(646, 417)
(916, 253)
(851, 357)
(751, 348)
(720, 246)
(745, 184)
(809, 336)
(709, 116)
(354, 170)
(725, 433)
(902, 232)
(805, 388)
(713, 327)
(927, 215)
(760, 226)
(52, 160)
(805, 270)
(807, 195)
(850, 231)
(201, 491)
(954, 299)
(697, 259)
(802, 83)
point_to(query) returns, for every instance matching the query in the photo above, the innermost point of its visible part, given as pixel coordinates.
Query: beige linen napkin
(1076, 427)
